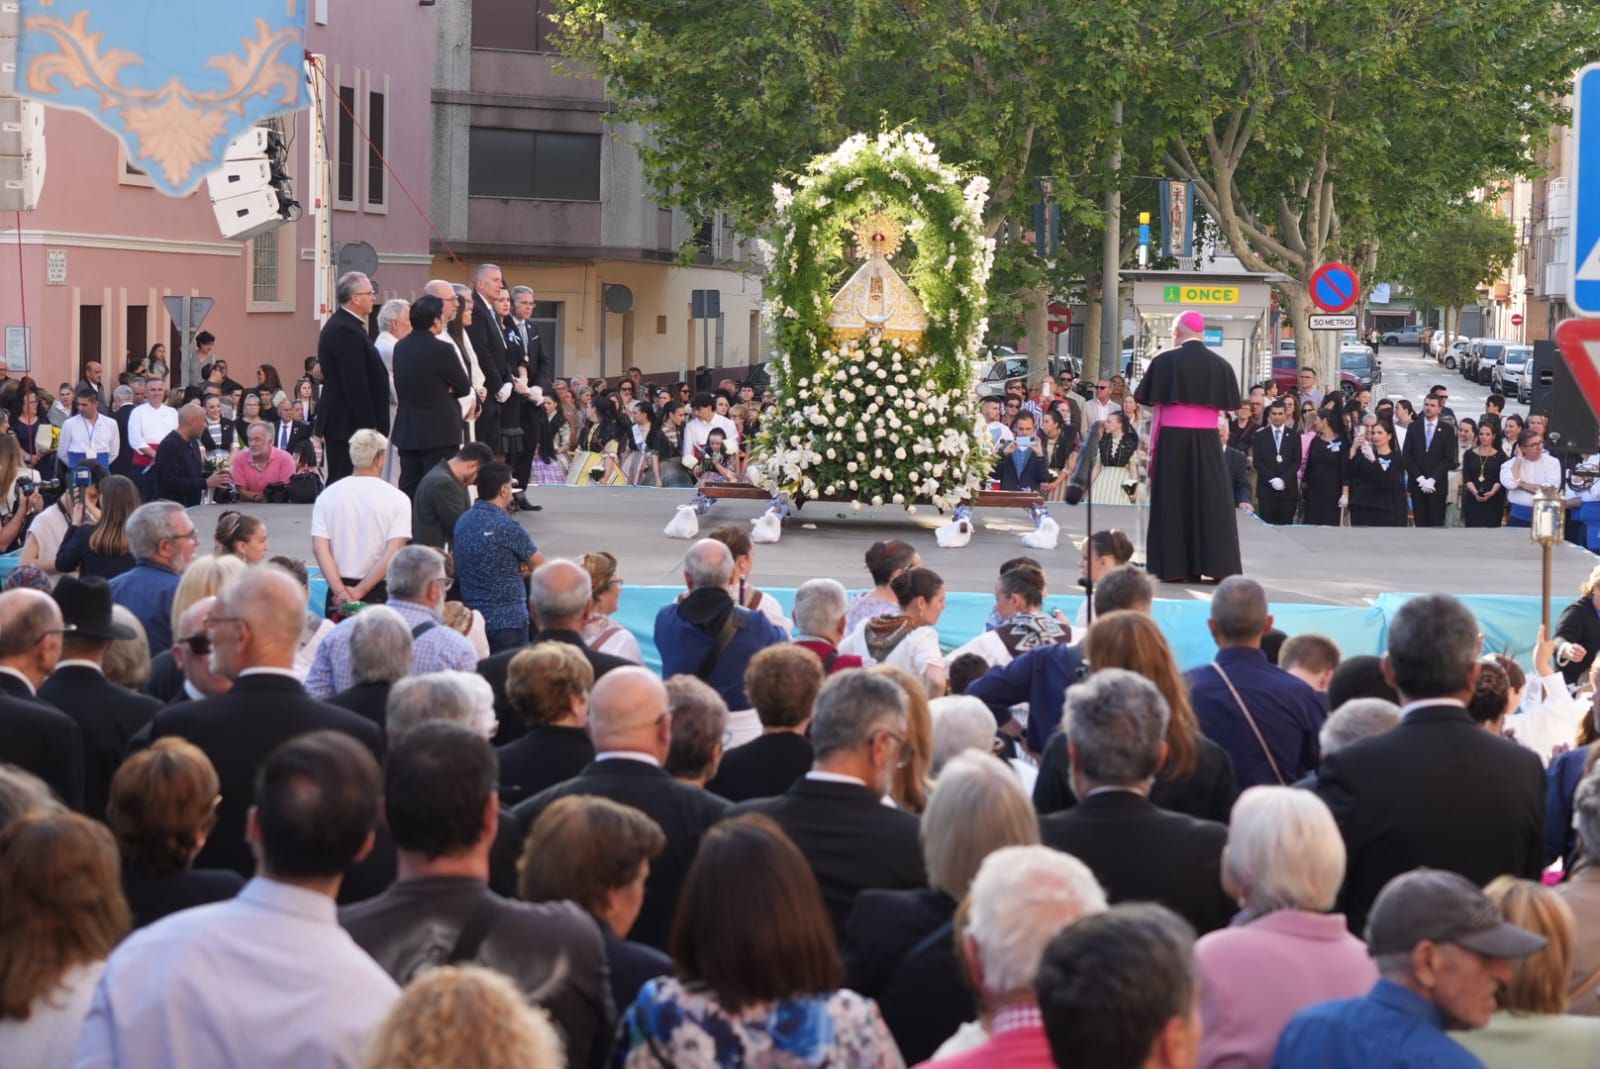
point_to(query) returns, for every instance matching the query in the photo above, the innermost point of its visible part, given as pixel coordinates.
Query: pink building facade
(86, 271)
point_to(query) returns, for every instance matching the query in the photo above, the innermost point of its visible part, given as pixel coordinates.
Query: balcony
(1553, 282)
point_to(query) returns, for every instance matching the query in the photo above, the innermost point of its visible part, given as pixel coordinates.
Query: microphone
(1083, 471)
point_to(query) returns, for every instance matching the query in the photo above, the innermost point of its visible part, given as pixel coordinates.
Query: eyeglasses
(191, 535)
(199, 645)
(1102, 386)
(903, 758)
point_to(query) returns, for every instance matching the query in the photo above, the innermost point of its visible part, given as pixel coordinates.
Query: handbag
(304, 486)
(1251, 720)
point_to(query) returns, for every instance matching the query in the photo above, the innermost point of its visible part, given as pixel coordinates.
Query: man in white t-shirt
(150, 424)
(358, 524)
(697, 430)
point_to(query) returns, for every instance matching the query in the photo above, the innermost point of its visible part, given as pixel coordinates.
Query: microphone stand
(1079, 490)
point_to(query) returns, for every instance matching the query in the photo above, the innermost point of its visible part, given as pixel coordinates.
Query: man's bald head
(191, 420)
(628, 711)
(26, 616)
(708, 563)
(558, 595)
(193, 620)
(438, 287)
(260, 617)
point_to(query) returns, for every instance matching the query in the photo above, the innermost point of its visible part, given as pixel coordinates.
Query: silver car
(1510, 375)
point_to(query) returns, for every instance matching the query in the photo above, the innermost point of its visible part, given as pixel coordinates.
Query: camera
(225, 495)
(49, 489)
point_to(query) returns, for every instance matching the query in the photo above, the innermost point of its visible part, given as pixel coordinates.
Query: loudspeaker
(248, 215)
(235, 178)
(1571, 426)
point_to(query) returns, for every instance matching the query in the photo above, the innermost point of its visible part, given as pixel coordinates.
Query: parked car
(1407, 335)
(1512, 370)
(1452, 355)
(1489, 354)
(1359, 369)
(1470, 357)
(1286, 371)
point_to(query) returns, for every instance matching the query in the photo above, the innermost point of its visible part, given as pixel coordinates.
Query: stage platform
(1340, 581)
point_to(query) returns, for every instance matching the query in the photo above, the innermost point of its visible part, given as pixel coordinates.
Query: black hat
(86, 607)
(1443, 907)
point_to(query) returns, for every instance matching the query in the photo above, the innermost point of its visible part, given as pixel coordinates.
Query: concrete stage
(1306, 565)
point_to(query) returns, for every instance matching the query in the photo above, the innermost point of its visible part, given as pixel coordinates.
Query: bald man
(1193, 534)
(178, 473)
(254, 630)
(632, 731)
(35, 736)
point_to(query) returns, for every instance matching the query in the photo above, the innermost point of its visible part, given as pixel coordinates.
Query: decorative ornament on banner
(174, 80)
(874, 380)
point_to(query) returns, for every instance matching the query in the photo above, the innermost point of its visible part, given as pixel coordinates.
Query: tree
(738, 95)
(1444, 263)
(1319, 131)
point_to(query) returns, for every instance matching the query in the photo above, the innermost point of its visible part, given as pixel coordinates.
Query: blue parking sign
(1584, 293)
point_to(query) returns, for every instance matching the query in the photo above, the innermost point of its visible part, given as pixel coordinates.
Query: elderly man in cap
(1441, 949)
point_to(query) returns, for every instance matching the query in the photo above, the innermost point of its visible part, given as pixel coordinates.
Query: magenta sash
(1179, 417)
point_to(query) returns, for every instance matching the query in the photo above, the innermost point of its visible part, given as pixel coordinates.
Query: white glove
(1344, 501)
(1276, 484)
(1425, 484)
(1366, 451)
(537, 393)
(503, 392)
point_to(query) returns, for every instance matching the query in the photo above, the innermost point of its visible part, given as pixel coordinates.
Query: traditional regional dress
(1193, 531)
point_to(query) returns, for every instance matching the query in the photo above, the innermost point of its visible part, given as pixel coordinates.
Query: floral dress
(675, 1024)
(1118, 467)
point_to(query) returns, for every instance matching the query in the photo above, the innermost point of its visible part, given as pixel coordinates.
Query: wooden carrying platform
(996, 499)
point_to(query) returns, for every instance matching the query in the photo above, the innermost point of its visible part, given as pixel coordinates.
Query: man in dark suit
(632, 731)
(1275, 451)
(34, 735)
(178, 473)
(835, 813)
(1116, 723)
(1430, 453)
(355, 384)
(108, 715)
(558, 601)
(288, 432)
(255, 631)
(782, 683)
(122, 398)
(1437, 790)
(489, 344)
(1022, 466)
(1237, 465)
(540, 369)
(428, 382)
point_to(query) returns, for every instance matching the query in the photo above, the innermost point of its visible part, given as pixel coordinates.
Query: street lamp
(1548, 521)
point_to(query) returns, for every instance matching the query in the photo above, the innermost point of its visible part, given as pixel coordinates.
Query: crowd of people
(1299, 456)
(483, 832)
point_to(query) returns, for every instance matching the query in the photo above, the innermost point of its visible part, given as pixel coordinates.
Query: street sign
(1516, 319)
(1213, 336)
(1060, 320)
(188, 312)
(1584, 293)
(1189, 294)
(1331, 322)
(1579, 340)
(1335, 287)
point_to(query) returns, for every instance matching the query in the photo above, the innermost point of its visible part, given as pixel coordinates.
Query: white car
(1451, 356)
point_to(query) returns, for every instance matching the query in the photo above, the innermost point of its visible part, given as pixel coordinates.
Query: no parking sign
(1335, 287)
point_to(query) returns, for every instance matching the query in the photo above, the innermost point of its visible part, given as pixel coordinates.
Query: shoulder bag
(1251, 720)
(475, 930)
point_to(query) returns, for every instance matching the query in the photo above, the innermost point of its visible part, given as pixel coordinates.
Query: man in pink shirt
(259, 465)
(1020, 899)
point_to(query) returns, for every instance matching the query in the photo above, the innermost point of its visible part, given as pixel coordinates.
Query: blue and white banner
(175, 80)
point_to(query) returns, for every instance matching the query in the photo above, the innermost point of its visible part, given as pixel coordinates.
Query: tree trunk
(1091, 334)
(1310, 347)
(1035, 313)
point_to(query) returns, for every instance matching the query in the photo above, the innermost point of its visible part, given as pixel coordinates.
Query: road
(1409, 374)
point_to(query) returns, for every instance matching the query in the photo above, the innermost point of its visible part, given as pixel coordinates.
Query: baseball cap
(1443, 907)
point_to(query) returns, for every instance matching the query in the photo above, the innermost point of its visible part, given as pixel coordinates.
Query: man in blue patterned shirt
(417, 586)
(494, 556)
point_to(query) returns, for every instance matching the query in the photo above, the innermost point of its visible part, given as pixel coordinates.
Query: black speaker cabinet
(1571, 426)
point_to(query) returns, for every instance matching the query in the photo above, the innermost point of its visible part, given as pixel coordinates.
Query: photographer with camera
(179, 470)
(101, 547)
(19, 493)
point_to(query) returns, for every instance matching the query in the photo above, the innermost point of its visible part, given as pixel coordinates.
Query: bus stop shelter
(1238, 310)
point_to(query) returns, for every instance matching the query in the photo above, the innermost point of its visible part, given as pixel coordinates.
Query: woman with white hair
(899, 946)
(1283, 864)
(960, 722)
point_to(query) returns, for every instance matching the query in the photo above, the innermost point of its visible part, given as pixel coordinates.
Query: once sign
(1193, 294)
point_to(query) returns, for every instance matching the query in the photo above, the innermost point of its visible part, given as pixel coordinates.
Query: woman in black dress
(1483, 499)
(1327, 481)
(1378, 481)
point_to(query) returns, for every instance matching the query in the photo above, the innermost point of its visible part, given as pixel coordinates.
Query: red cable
(384, 160)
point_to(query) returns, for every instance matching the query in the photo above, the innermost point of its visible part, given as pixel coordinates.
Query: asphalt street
(1409, 374)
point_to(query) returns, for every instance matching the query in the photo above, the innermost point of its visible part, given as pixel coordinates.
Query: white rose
(900, 454)
(877, 499)
(861, 435)
(851, 466)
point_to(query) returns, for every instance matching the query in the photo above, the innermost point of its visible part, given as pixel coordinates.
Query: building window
(264, 268)
(345, 174)
(514, 25)
(377, 145)
(533, 164)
